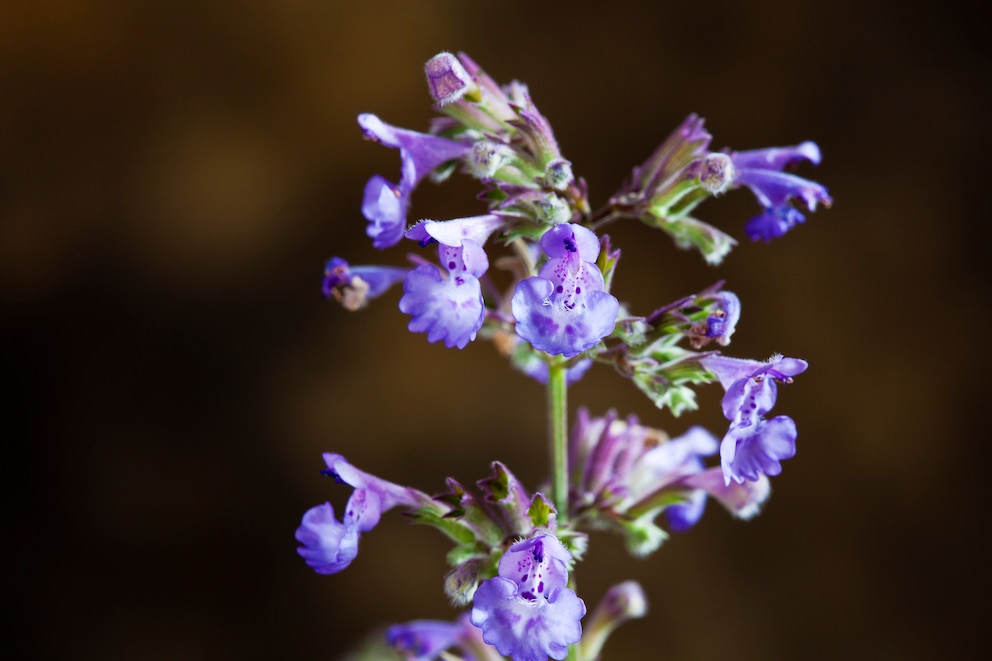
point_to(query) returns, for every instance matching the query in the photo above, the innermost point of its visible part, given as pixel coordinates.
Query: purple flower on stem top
(526, 611)
(761, 170)
(449, 307)
(754, 446)
(330, 545)
(564, 310)
(385, 204)
(354, 286)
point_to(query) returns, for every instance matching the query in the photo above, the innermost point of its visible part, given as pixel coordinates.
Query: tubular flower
(565, 310)
(526, 611)
(754, 446)
(762, 170)
(385, 204)
(329, 545)
(355, 286)
(449, 307)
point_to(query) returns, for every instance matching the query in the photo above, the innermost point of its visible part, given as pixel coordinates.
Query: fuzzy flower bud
(448, 80)
(558, 174)
(716, 172)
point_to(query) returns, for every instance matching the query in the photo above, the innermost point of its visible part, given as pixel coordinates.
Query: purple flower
(449, 307)
(754, 446)
(330, 545)
(564, 310)
(354, 286)
(761, 170)
(385, 204)
(526, 611)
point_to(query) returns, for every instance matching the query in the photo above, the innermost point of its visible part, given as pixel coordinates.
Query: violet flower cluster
(555, 316)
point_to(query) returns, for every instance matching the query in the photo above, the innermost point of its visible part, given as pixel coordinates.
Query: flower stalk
(558, 436)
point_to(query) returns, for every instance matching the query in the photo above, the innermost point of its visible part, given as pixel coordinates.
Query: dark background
(174, 174)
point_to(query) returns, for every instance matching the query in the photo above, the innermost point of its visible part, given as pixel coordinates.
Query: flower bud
(488, 157)
(554, 209)
(716, 172)
(448, 80)
(622, 603)
(558, 174)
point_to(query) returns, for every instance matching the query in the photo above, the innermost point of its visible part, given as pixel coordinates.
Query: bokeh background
(174, 174)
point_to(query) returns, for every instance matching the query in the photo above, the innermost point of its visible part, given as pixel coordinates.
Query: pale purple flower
(330, 545)
(526, 611)
(385, 204)
(564, 309)
(447, 303)
(762, 170)
(754, 446)
(354, 286)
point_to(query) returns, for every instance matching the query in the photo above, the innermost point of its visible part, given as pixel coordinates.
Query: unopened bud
(461, 582)
(488, 157)
(448, 80)
(621, 603)
(716, 172)
(554, 209)
(558, 174)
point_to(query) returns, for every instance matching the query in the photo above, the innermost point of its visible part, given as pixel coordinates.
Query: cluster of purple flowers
(514, 549)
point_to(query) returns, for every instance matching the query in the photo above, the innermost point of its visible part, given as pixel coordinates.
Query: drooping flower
(526, 611)
(565, 309)
(354, 286)
(449, 306)
(627, 474)
(385, 204)
(754, 446)
(330, 545)
(762, 170)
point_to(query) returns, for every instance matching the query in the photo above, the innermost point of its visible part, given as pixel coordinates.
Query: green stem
(558, 434)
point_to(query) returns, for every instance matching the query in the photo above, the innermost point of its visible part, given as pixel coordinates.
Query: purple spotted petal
(525, 631)
(449, 309)
(526, 612)
(544, 320)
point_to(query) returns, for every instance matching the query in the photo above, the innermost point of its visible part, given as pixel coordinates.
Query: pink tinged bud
(448, 80)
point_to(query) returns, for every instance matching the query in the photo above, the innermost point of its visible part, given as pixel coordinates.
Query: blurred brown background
(174, 174)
